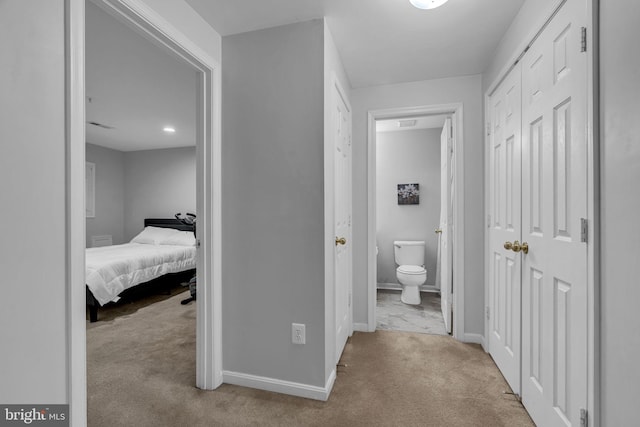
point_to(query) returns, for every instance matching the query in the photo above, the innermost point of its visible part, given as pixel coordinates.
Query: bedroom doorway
(146, 22)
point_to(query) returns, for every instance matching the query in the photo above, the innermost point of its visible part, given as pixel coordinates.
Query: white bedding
(112, 269)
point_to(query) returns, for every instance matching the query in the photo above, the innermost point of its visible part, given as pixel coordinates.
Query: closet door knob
(438, 231)
(508, 245)
(341, 241)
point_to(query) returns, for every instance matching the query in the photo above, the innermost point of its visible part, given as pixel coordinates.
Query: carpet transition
(141, 372)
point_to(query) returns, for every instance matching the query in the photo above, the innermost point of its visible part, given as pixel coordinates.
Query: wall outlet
(298, 334)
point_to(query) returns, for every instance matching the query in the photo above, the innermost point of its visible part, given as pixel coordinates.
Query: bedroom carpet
(141, 372)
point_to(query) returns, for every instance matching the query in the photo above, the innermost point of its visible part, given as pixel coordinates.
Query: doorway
(451, 303)
(148, 23)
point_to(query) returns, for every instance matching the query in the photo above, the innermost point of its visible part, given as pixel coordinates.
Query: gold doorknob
(438, 231)
(525, 247)
(341, 241)
(508, 245)
(516, 246)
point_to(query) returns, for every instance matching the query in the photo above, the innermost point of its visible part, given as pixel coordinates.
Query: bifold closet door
(505, 227)
(554, 276)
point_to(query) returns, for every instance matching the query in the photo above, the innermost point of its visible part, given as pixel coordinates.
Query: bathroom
(409, 221)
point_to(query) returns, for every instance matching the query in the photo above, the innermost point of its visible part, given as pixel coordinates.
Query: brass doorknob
(516, 246)
(508, 245)
(438, 231)
(525, 247)
(341, 241)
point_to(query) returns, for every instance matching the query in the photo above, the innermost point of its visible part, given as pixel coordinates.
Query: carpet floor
(141, 372)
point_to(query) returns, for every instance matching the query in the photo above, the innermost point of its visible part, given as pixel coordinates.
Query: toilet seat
(413, 270)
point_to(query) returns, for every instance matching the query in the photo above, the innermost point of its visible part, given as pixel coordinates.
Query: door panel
(446, 220)
(505, 226)
(554, 282)
(342, 194)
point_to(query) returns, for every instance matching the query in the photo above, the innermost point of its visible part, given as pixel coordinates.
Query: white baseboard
(361, 327)
(397, 287)
(474, 339)
(281, 386)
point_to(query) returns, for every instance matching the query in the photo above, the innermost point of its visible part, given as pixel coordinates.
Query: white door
(342, 183)
(446, 220)
(554, 277)
(505, 227)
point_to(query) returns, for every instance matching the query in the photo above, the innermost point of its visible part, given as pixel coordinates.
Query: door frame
(593, 190)
(458, 208)
(138, 16)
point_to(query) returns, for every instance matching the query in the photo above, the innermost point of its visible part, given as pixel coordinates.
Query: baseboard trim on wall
(280, 386)
(397, 287)
(361, 327)
(474, 339)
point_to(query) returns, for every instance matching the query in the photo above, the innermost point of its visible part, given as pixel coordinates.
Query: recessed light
(427, 4)
(169, 129)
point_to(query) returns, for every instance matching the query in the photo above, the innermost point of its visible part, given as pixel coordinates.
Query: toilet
(411, 273)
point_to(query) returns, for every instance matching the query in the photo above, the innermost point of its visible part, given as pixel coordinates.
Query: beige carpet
(141, 373)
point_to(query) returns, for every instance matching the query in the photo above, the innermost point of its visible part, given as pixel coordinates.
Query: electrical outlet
(298, 334)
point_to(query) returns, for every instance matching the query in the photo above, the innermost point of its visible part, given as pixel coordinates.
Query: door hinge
(198, 243)
(488, 312)
(488, 221)
(584, 230)
(584, 418)
(583, 42)
(349, 300)
(488, 129)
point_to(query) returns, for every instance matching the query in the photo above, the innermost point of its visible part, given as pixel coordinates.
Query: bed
(165, 247)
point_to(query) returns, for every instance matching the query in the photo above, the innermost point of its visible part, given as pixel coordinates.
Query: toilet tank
(409, 252)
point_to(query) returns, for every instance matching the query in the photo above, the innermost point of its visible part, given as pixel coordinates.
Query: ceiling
(383, 41)
(424, 122)
(136, 88)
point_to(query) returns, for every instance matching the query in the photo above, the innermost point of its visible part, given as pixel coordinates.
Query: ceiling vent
(406, 123)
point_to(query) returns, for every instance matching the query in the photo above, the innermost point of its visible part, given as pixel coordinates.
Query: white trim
(75, 216)
(474, 339)
(90, 190)
(458, 212)
(397, 287)
(281, 386)
(361, 327)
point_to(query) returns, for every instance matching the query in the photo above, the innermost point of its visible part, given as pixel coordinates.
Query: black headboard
(167, 223)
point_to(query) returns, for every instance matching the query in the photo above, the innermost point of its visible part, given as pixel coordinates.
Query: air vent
(406, 123)
(100, 125)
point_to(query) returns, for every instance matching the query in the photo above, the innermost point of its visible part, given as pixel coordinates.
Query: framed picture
(408, 194)
(90, 188)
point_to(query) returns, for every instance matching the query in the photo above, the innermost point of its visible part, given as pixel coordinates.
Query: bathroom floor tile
(392, 314)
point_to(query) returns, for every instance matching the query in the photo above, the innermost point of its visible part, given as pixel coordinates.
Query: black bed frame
(93, 304)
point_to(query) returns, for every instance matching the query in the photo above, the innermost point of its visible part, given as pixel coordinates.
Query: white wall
(407, 157)
(466, 90)
(109, 194)
(157, 184)
(620, 203)
(273, 202)
(33, 359)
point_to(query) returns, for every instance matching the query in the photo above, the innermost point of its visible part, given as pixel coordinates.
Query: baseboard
(397, 287)
(474, 339)
(361, 327)
(280, 386)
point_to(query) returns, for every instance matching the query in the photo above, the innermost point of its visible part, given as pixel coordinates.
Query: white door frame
(593, 192)
(150, 24)
(458, 207)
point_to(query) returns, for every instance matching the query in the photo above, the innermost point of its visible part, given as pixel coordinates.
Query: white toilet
(410, 272)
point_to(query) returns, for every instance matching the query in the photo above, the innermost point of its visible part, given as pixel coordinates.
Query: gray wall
(157, 184)
(466, 90)
(407, 157)
(110, 186)
(33, 307)
(273, 202)
(620, 203)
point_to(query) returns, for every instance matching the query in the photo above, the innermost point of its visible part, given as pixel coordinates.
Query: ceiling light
(427, 4)
(169, 129)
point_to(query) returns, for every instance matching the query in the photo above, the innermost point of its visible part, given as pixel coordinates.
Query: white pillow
(181, 238)
(154, 235)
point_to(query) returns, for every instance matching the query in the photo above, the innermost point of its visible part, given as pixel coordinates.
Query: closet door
(505, 227)
(554, 276)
